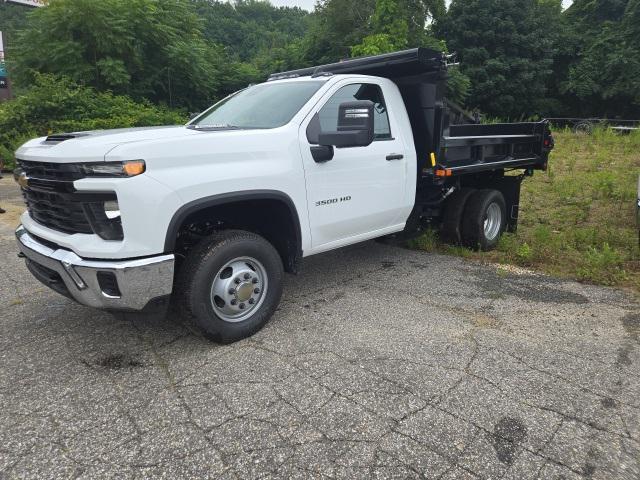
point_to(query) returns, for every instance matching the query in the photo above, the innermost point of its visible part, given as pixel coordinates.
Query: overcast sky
(308, 4)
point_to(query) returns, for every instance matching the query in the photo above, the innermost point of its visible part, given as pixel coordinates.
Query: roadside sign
(30, 3)
(3, 70)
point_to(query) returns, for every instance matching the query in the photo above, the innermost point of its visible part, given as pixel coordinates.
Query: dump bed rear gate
(476, 148)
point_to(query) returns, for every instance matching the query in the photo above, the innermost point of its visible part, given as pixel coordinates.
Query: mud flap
(451, 230)
(509, 186)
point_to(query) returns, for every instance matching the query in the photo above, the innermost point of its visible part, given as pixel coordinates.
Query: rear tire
(230, 284)
(484, 219)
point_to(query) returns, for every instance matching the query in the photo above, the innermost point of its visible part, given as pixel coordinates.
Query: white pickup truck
(212, 213)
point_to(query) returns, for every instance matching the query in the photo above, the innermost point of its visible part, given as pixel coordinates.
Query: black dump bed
(471, 148)
(445, 144)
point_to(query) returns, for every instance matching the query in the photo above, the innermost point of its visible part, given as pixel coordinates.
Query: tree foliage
(398, 24)
(12, 18)
(602, 58)
(336, 26)
(506, 49)
(518, 57)
(390, 30)
(150, 49)
(61, 105)
(250, 28)
(257, 38)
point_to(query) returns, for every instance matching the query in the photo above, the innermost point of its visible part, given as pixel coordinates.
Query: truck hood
(93, 146)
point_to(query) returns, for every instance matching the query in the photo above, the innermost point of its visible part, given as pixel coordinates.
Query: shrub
(57, 105)
(525, 253)
(602, 265)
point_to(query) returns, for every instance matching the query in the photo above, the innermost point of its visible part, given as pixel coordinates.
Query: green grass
(577, 220)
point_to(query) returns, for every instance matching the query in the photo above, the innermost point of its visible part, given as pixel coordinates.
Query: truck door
(361, 192)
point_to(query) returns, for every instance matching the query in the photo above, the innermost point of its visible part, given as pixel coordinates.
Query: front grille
(56, 210)
(52, 171)
(53, 201)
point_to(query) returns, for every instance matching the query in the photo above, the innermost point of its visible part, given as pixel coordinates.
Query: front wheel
(230, 284)
(484, 219)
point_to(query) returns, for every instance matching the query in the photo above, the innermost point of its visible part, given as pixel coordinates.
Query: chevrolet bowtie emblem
(23, 180)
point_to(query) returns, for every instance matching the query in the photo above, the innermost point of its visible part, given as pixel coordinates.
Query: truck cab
(210, 214)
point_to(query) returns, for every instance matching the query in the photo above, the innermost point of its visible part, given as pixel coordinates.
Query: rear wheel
(484, 219)
(230, 284)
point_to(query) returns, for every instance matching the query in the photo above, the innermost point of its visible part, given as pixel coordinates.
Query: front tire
(230, 284)
(484, 219)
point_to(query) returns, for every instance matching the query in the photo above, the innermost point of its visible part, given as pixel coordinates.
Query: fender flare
(216, 200)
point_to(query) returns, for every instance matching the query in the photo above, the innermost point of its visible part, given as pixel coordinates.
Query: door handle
(395, 156)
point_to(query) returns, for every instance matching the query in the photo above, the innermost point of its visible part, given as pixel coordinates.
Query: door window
(328, 114)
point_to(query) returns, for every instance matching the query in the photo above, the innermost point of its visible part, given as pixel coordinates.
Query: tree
(390, 30)
(336, 25)
(421, 15)
(257, 38)
(250, 28)
(60, 105)
(143, 48)
(602, 72)
(12, 18)
(506, 48)
(400, 24)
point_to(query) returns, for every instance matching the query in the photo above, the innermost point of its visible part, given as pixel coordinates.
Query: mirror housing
(355, 126)
(322, 153)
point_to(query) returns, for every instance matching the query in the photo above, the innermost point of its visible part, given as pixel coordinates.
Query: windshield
(268, 105)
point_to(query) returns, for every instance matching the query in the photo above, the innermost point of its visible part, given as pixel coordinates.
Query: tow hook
(21, 255)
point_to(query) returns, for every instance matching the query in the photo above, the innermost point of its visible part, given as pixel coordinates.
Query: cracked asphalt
(381, 362)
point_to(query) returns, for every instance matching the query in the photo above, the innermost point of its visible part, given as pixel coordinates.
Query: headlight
(114, 169)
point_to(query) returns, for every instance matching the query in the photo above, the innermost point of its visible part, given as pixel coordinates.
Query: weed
(602, 265)
(428, 241)
(577, 219)
(524, 253)
(604, 184)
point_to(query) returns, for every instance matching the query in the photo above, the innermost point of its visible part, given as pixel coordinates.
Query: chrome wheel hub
(492, 221)
(238, 289)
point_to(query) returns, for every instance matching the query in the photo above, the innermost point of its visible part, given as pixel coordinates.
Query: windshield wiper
(219, 126)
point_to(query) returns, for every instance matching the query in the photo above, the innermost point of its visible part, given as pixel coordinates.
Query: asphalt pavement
(381, 362)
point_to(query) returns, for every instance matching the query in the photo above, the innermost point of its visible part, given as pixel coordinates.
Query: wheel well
(274, 218)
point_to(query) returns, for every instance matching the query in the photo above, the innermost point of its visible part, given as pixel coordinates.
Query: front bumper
(138, 282)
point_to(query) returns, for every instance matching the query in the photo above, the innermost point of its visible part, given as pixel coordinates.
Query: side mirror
(355, 126)
(193, 115)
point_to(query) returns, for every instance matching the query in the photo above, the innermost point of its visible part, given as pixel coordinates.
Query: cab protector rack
(389, 65)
